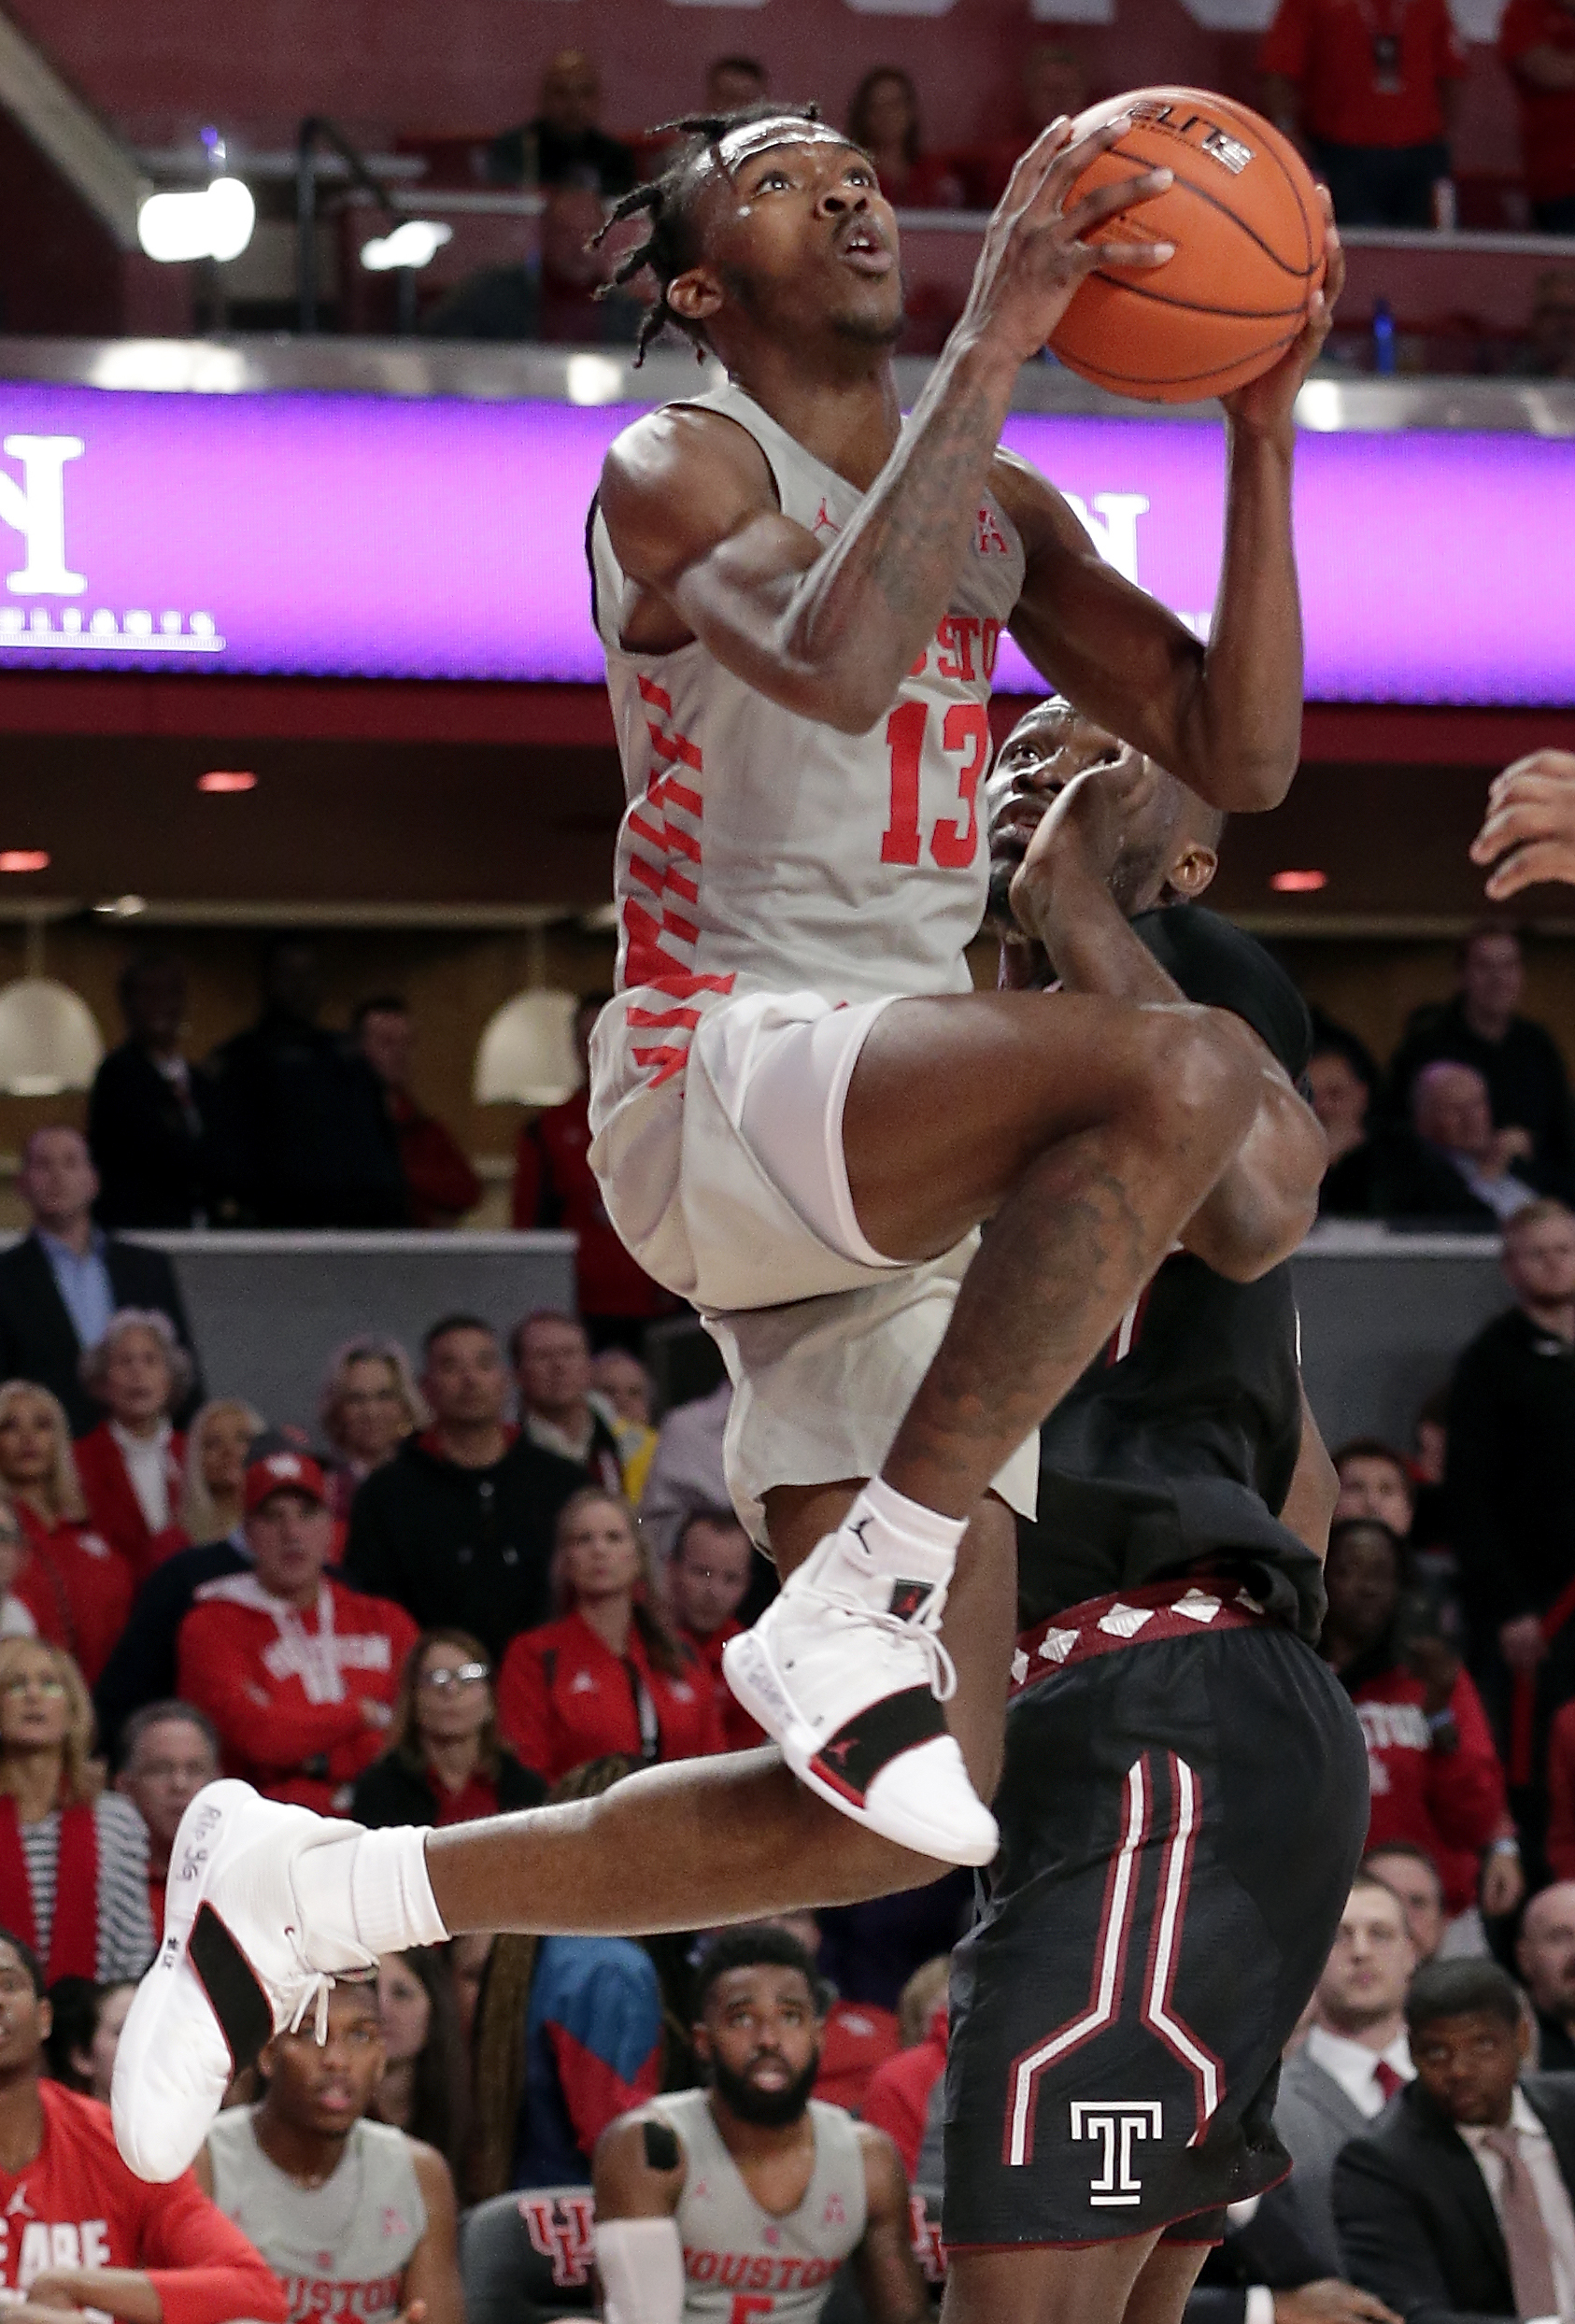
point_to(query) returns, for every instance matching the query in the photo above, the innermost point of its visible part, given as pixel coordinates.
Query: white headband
(752, 137)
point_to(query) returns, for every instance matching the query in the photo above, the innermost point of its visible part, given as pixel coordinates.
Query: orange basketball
(1248, 230)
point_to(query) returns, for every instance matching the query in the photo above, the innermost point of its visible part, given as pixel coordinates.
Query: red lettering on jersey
(990, 644)
(919, 669)
(836, 2213)
(744, 2308)
(955, 638)
(701, 2266)
(924, 2234)
(991, 541)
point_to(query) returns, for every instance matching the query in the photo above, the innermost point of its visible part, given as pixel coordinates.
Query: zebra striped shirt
(125, 1924)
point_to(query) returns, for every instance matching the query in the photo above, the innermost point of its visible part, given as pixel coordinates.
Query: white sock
(903, 1537)
(373, 1888)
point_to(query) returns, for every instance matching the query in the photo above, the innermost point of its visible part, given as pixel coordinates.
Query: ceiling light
(121, 907)
(227, 779)
(216, 223)
(1298, 882)
(24, 860)
(415, 243)
(526, 1053)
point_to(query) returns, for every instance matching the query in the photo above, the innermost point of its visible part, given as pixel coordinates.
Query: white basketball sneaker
(846, 1669)
(237, 1965)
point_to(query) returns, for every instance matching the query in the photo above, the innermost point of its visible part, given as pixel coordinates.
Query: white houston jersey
(763, 852)
(741, 2261)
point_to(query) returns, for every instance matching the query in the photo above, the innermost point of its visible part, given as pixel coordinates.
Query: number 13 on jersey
(965, 735)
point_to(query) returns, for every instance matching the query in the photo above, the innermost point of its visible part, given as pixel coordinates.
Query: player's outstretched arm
(1267, 1198)
(1226, 719)
(1528, 831)
(637, 2176)
(891, 2281)
(830, 632)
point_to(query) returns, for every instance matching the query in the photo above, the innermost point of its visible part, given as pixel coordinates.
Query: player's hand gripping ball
(1247, 225)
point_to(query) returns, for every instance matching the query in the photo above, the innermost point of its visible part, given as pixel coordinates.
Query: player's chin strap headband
(743, 143)
(641, 2262)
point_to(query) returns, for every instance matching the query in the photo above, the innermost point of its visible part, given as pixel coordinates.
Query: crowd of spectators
(499, 1576)
(1369, 93)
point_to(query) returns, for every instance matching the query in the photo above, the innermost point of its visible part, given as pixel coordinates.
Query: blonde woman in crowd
(216, 1450)
(370, 1404)
(610, 1675)
(77, 1588)
(131, 1465)
(73, 1856)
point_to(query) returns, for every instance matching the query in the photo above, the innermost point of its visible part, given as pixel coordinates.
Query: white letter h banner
(35, 508)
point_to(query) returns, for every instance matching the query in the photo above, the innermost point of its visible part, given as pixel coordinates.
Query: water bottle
(1382, 337)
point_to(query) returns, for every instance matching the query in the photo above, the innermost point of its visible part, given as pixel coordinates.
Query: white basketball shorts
(729, 1186)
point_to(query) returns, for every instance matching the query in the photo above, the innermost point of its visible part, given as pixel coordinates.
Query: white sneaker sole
(753, 1678)
(172, 2023)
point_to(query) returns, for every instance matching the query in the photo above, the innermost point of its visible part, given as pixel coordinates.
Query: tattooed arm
(689, 499)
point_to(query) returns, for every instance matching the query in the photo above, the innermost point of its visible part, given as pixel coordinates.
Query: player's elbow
(1248, 783)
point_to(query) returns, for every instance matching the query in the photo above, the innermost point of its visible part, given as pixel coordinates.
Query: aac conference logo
(33, 506)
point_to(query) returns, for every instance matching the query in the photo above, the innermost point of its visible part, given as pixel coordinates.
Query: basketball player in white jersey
(356, 2219)
(739, 2202)
(803, 1110)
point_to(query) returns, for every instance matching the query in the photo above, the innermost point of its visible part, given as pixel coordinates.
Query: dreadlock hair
(669, 249)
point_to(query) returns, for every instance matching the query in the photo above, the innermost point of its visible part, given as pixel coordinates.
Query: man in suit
(146, 1117)
(60, 1285)
(1457, 2206)
(1353, 2059)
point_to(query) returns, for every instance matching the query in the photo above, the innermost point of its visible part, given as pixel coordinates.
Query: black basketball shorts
(1183, 1804)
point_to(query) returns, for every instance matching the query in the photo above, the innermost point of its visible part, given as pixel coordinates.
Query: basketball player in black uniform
(1185, 1797)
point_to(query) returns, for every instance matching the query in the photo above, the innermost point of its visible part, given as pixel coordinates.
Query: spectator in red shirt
(168, 1752)
(707, 1582)
(77, 2230)
(132, 1465)
(77, 1589)
(439, 1182)
(1369, 85)
(608, 1676)
(904, 2096)
(884, 119)
(444, 1762)
(1436, 1776)
(1536, 44)
(297, 1673)
(554, 1186)
(1053, 83)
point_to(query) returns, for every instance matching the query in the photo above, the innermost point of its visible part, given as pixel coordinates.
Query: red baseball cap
(284, 1471)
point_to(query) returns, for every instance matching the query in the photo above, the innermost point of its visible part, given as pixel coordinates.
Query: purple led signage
(354, 536)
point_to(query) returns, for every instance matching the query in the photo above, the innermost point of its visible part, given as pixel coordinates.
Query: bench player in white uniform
(356, 2219)
(803, 1110)
(738, 2204)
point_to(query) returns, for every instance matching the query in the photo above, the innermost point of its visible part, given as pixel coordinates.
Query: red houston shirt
(76, 2205)
(1547, 116)
(285, 1689)
(1327, 48)
(554, 1186)
(739, 1731)
(1450, 1803)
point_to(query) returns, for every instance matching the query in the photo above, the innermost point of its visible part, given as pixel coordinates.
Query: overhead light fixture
(1298, 882)
(49, 1040)
(594, 379)
(24, 858)
(227, 779)
(215, 223)
(120, 907)
(415, 243)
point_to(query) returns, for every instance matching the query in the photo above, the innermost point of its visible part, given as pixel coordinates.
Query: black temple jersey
(1177, 1446)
